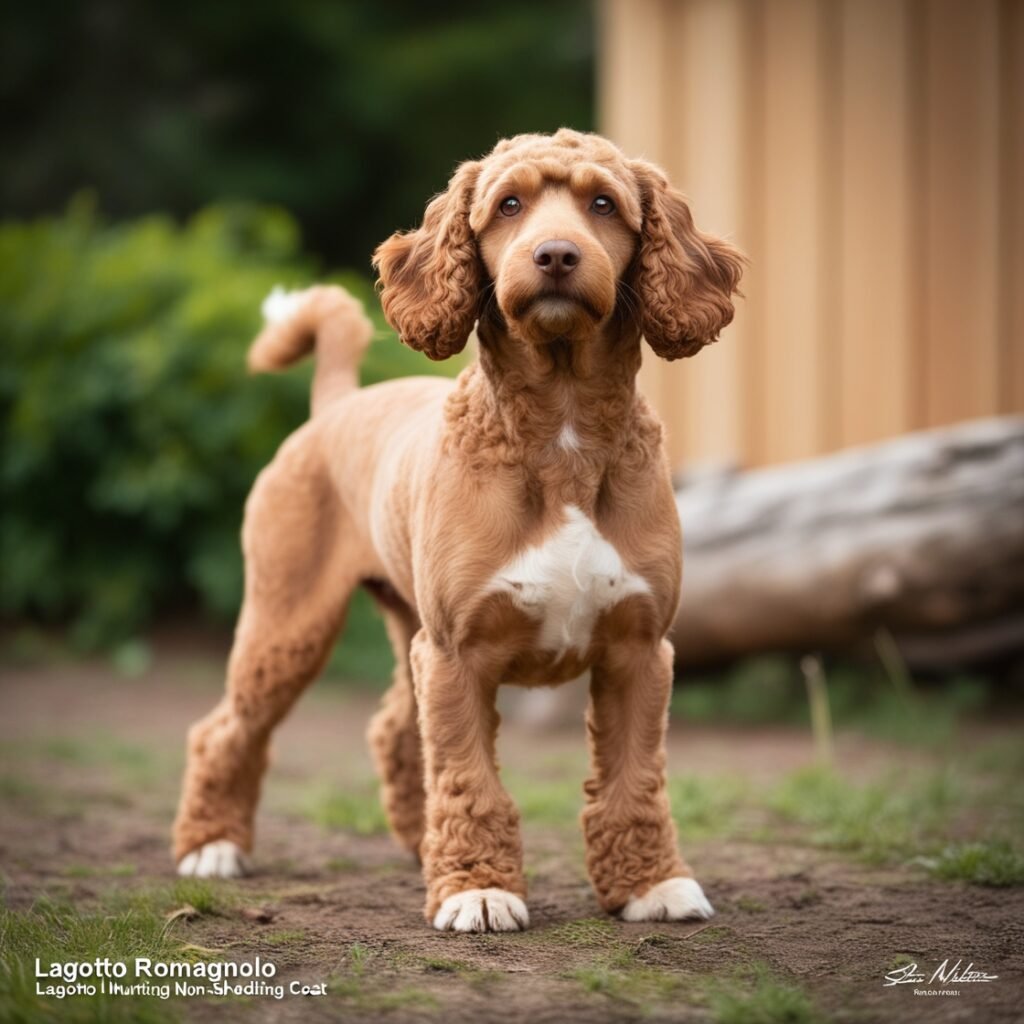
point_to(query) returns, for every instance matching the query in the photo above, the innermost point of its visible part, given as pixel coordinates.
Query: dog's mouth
(556, 312)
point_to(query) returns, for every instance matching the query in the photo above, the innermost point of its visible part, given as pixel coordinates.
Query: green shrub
(131, 431)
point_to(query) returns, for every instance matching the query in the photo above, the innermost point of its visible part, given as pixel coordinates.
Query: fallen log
(922, 537)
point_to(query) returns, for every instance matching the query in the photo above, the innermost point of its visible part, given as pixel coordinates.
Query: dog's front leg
(472, 850)
(632, 856)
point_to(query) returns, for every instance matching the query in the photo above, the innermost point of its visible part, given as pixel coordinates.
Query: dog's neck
(563, 411)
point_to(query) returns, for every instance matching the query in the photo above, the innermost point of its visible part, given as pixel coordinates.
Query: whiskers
(628, 300)
(489, 300)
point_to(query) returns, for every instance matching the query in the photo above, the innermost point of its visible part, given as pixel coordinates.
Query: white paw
(219, 859)
(482, 910)
(675, 899)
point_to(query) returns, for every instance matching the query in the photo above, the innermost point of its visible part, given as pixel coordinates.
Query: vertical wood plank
(961, 239)
(875, 342)
(791, 267)
(832, 180)
(868, 155)
(706, 158)
(755, 355)
(632, 83)
(1011, 300)
(633, 94)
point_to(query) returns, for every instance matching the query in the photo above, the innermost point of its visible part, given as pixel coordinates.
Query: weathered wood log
(922, 536)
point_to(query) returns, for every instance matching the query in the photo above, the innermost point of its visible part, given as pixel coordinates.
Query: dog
(516, 525)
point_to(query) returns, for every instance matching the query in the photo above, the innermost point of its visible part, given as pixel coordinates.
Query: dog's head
(569, 234)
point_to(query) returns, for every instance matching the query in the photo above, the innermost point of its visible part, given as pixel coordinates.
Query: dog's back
(357, 438)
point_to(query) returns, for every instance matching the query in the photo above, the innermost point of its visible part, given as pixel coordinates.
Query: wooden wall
(868, 155)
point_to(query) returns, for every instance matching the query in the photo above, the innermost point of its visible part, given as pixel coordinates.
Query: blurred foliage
(350, 115)
(132, 434)
(131, 437)
(862, 696)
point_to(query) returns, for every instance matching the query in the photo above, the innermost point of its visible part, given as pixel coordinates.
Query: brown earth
(348, 907)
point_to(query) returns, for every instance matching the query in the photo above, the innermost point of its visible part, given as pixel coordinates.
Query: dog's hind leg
(300, 572)
(394, 734)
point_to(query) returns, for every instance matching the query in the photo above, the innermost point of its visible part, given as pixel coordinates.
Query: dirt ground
(332, 904)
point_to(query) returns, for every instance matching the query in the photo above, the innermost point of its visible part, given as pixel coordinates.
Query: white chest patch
(567, 582)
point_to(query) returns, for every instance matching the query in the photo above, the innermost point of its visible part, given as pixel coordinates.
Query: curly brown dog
(516, 525)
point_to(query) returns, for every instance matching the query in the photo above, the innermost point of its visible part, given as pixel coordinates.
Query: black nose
(557, 257)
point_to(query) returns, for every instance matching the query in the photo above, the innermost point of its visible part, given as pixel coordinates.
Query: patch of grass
(546, 801)
(19, 790)
(38, 800)
(358, 958)
(466, 972)
(439, 965)
(877, 698)
(342, 864)
(624, 978)
(750, 906)
(808, 897)
(599, 978)
(126, 767)
(994, 863)
(363, 991)
(207, 897)
(619, 973)
(652, 942)
(359, 996)
(586, 933)
(398, 998)
(904, 819)
(755, 691)
(714, 933)
(703, 806)
(879, 821)
(357, 810)
(700, 806)
(756, 996)
(132, 762)
(101, 871)
(1003, 758)
(285, 937)
(890, 708)
(901, 960)
(57, 932)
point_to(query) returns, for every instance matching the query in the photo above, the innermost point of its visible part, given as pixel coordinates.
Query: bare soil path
(90, 767)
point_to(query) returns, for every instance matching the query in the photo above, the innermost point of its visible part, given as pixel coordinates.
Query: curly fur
(684, 279)
(394, 737)
(430, 278)
(629, 842)
(425, 491)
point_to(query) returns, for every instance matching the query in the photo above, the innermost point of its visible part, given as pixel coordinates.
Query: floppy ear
(431, 279)
(685, 279)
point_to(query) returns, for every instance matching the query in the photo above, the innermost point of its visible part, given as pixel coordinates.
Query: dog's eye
(510, 206)
(603, 205)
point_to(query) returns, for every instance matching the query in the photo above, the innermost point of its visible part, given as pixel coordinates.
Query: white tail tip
(280, 304)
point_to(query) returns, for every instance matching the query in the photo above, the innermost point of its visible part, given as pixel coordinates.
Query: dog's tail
(325, 318)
